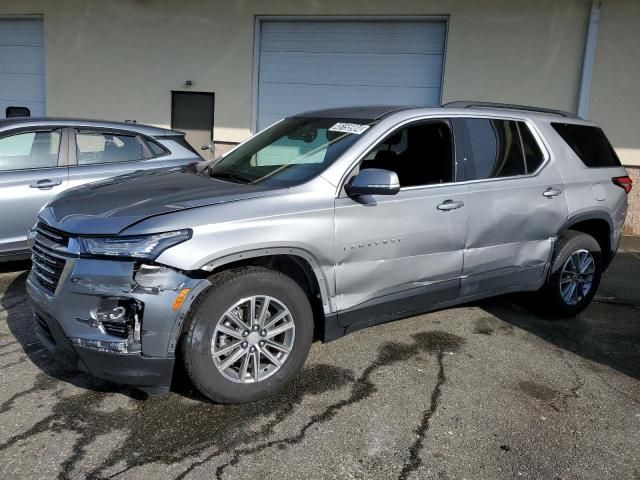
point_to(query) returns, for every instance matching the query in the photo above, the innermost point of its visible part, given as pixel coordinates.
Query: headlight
(139, 246)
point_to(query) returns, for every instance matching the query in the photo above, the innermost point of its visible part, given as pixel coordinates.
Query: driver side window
(420, 154)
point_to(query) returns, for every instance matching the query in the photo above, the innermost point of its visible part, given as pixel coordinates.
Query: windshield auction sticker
(349, 128)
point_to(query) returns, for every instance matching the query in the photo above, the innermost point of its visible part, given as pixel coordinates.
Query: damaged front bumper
(118, 320)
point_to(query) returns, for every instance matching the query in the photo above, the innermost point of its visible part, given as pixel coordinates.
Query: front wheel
(248, 335)
(575, 275)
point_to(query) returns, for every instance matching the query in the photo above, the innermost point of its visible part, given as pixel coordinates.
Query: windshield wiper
(233, 176)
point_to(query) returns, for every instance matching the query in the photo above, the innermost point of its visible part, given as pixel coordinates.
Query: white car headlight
(139, 246)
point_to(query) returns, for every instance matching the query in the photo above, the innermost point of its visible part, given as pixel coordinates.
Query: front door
(516, 208)
(192, 113)
(32, 171)
(403, 252)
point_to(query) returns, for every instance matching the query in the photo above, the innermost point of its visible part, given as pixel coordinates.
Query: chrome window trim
(539, 138)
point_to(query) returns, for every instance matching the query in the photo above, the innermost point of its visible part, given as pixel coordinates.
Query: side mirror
(373, 181)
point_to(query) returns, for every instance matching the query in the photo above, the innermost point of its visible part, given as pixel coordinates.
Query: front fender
(324, 280)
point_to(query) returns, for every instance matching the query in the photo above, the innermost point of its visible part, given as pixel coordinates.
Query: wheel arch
(296, 263)
(598, 224)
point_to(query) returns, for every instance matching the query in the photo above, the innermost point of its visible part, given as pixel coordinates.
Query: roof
(376, 112)
(372, 112)
(82, 122)
(509, 106)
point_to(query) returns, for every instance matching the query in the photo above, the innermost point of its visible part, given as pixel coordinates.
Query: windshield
(290, 152)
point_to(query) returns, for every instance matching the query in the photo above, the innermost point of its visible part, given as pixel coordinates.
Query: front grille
(116, 329)
(47, 261)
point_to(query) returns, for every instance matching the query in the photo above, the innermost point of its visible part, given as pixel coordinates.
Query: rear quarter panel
(588, 190)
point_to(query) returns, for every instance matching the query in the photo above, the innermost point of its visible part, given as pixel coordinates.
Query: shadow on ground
(172, 428)
(608, 332)
(20, 323)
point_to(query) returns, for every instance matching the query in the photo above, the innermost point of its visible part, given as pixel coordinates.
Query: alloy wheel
(253, 339)
(576, 278)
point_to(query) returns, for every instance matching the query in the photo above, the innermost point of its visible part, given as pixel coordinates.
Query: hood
(110, 206)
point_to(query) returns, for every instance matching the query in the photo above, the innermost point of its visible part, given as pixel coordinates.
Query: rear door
(96, 154)
(517, 205)
(403, 252)
(32, 171)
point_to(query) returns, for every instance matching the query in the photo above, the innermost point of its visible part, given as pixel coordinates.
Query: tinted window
(532, 153)
(157, 150)
(29, 150)
(420, 154)
(492, 148)
(589, 144)
(104, 147)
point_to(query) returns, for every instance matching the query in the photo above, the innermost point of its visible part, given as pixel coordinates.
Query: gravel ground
(482, 391)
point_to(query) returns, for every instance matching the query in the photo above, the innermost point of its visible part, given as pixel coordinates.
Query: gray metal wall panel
(22, 73)
(305, 65)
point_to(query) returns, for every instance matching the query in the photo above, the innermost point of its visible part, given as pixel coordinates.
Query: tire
(210, 329)
(571, 247)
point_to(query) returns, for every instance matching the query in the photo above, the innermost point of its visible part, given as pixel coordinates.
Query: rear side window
(105, 147)
(589, 144)
(157, 150)
(497, 148)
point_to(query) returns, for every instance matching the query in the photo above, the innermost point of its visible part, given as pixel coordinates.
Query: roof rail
(467, 104)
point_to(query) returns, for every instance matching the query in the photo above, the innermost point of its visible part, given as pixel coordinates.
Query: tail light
(623, 182)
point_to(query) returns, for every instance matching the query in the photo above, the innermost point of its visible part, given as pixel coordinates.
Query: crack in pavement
(159, 427)
(415, 461)
(616, 301)
(42, 382)
(579, 381)
(573, 391)
(389, 353)
(5, 345)
(29, 349)
(8, 306)
(200, 424)
(13, 364)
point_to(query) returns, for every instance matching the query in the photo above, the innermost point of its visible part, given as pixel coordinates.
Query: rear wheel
(575, 275)
(248, 335)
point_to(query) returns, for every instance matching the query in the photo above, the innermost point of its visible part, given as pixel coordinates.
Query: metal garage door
(22, 65)
(305, 65)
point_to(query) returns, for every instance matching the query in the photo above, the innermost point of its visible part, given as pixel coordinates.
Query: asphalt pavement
(483, 391)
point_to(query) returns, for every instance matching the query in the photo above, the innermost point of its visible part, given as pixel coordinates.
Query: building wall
(632, 223)
(120, 59)
(615, 92)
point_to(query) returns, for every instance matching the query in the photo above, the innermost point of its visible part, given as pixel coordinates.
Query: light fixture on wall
(188, 83)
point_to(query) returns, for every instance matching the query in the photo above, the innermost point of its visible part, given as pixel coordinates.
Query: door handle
(551, 192)
(450, 205)
(45, 184)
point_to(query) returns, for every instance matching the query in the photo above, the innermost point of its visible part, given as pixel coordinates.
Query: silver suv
(41, 157)
(323, 224)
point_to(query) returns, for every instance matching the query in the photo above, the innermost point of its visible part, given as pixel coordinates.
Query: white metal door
(22, 65)
(306, 65)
